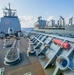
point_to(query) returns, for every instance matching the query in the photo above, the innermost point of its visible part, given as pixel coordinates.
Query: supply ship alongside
(54, 45)
(46, 50)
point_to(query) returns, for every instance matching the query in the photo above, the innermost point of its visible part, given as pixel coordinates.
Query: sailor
(16, 33)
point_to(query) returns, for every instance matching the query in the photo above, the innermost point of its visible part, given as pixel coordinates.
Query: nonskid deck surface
(32, 69)
(26, 64)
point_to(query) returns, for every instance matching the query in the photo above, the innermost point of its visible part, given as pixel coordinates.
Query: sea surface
(27, 29)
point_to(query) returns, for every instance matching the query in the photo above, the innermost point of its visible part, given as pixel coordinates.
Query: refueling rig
(54, 45)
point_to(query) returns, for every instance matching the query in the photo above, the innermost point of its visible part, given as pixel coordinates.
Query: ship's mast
(9, 5)
(8, 11)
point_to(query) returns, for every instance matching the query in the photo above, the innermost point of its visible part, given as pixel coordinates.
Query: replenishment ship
(54, 45)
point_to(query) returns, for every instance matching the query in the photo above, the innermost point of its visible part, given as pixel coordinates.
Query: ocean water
(27, 30)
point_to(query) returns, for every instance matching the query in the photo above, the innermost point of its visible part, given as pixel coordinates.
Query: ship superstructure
(60, 28)
(9, 20)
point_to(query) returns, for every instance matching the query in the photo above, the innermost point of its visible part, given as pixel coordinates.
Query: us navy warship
(40, 52)
(14, 45)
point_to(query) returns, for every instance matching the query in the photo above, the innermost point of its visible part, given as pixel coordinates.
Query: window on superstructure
(10, 29)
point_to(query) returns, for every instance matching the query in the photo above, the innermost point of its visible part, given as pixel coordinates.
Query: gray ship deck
(26, 65)
(29, 65)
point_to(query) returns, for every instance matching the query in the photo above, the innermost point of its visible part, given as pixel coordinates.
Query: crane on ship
(62, 20)
(71, 21)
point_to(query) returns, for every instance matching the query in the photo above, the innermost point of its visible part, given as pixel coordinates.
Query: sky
(29, 10)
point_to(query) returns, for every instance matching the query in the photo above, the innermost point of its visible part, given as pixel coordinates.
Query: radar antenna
(9, 11)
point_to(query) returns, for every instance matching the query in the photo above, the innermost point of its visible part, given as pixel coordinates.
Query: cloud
(50, 18)
(27, 21)
(1, 14)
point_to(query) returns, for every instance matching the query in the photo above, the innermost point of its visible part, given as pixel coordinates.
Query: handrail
(56, 36)
(39, 40)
